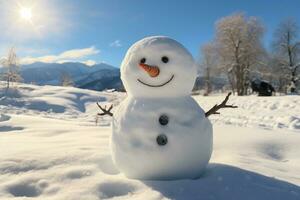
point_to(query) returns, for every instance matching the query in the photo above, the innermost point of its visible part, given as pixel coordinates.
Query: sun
(25, 13)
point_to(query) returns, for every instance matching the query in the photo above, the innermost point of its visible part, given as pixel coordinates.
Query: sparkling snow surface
(50, 148)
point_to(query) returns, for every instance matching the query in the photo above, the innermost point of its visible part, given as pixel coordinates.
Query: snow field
(61, 154)
(276, 112)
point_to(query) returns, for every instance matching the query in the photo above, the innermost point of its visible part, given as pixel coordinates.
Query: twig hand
(216, 107)
(104, 110)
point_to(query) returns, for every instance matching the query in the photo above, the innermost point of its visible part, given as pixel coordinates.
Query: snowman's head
(158, 66)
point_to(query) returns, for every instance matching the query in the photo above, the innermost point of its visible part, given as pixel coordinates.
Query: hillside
(51, 148)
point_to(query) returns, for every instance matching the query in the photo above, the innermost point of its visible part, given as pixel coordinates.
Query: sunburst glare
(25, 13)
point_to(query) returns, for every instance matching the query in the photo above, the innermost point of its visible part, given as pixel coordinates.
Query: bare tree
(66, 80)
(286, 47)
(278, 74)
(11, 72)
(239, 46)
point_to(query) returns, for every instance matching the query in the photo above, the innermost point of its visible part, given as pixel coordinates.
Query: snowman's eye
(143, 60)
(165, 59)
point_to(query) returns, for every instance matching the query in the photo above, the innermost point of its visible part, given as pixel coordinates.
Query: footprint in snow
(274, 151)
(27, 188)
(10, 128)
(4, 118)
(114, 189)
(78, 173)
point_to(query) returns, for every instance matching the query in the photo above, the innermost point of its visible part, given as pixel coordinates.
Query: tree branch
(216, 107)
(105, 111)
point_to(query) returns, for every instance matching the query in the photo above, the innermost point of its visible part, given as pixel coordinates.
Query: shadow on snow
(227, 182)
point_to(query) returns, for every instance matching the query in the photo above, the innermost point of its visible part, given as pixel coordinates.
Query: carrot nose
(153, 71)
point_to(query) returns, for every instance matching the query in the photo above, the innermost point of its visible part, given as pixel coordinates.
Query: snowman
(159, 132)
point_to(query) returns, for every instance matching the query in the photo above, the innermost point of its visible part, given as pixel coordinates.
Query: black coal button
(163, 120)
(162, 140)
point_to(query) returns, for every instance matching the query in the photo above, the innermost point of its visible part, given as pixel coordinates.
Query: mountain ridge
(105, 76)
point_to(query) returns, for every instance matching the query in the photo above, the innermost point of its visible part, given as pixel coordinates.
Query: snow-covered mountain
(100, 80)
(97, 77)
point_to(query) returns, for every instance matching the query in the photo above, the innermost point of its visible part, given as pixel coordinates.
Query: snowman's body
(135, 147)
(159, 131)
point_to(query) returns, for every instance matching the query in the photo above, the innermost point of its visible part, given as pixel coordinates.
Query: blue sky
(102, 31)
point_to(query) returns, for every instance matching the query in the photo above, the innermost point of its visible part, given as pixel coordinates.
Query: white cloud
(70, 55)
(116, 43)
(79, 53)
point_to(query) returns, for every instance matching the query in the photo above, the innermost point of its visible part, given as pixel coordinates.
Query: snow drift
(50, 153)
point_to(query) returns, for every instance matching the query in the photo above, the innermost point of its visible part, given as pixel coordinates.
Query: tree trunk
(7, 83)
(231, 81)
(239, 80)
(207, 82)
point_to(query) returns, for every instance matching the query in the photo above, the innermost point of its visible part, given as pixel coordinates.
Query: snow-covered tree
(286, 47)
(239, 46)
(10, 72)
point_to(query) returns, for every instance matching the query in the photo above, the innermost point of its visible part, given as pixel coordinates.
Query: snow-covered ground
(51, 148)
(276, 112)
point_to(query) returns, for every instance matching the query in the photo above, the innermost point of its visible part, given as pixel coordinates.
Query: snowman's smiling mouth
(156, 85)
